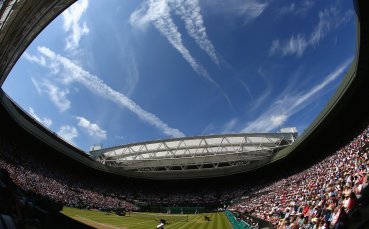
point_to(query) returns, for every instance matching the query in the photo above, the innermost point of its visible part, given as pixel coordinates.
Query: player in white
(161, 225)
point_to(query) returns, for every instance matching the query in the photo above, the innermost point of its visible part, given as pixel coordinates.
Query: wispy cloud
(40, 60)
(45, 121)
(256, 103)
(189, 11)
(296, 8)
(209, 129)
(295, 45)
(230, 125)
(57, 96)
(305, 6)
(133, 75)
(34, 59)
(158, 13)
(92, 128)
(287, 9)
(250, 9)
(68, 133)
(329, 20)
(72, 24)
(74, 73)
(247, 10)
(263, 94)
(279, 112)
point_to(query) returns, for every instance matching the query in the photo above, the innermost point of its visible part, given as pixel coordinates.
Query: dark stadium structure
(340, 120)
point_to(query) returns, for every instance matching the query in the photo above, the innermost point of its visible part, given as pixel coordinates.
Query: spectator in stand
(342, 219)
(352, 202)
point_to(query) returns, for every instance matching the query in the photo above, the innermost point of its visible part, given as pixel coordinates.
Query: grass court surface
(103, 220)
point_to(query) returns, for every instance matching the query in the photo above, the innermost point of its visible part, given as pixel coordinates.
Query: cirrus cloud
(329, 20)
(283, 108)
(72, 72)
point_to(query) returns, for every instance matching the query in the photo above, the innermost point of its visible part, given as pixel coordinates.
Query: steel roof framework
(204, 152)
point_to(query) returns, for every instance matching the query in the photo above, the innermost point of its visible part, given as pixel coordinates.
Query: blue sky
(115, 72)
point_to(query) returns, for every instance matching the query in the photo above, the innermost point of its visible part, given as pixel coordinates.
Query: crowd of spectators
(38, 177)
(321, 196)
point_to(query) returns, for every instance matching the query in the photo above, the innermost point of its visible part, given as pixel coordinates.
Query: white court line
(137, 223)
(105, 225)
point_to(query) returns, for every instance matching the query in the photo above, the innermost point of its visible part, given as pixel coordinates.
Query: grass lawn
(148, 220)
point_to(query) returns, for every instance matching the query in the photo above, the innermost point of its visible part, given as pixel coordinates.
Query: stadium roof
(196, 154)
(342, 112)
